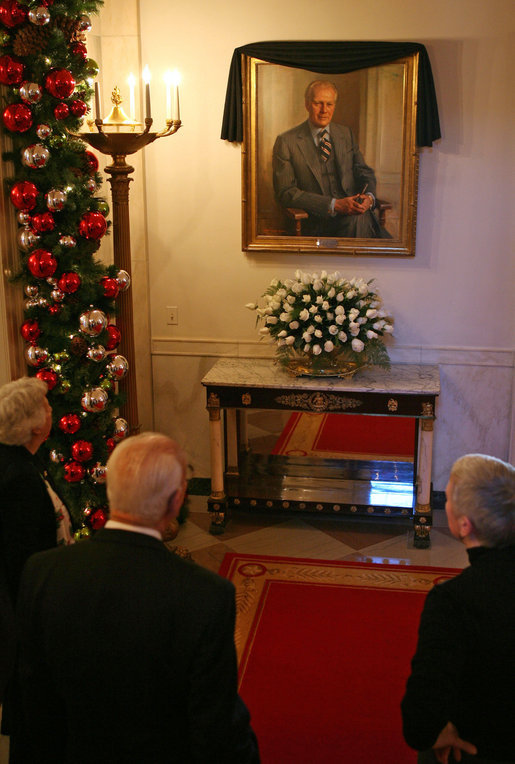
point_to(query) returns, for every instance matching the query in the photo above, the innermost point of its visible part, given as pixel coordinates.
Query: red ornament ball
(82, 450)
(78, 108)
(69, 282)
(17, 117)
(69, 423)
(42, 264)
(11, 70)
(80, 50)
(111, 444)
(60, 83)
(50, 377)
(73, 472)
(42, 222)
(115, 337)
(12, 14)
(61, 111)
(98, 519)
(92, 225)
(111, 288)
(24, 195)
(91, 162)
(30, 330)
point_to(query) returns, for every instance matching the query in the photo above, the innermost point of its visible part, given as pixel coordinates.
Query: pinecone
(78, 346)
(70, 29)
(30, 40)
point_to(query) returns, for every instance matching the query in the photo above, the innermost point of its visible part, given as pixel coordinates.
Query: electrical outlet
(172, 315)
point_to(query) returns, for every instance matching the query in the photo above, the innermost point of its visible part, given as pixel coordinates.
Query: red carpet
(347, 437)
(324, 651)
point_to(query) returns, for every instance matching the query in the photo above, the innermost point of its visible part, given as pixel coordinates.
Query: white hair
(310, 90)
(143, 472)
(21, 410)
(483, 489)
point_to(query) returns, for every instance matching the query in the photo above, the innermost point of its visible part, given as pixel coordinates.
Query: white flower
(330, 316)
(267, 311)
(339, 310)
(306, 298)
(333, 329)
(274, 283)
(317, 349)
(318, 286)
(363, 289)
(306, 336)
(281, 342)
(318, 333)
(371, 313)
(353, 312)
(306, 278)
(319, 300)
(371, 335)
(283, 333)
(378, 325)
(251, 305)
(357, 345)
(339, 296)
(307, 348)
(288, 283)
(310, 329)
(287, 307)
(291, 299)
(340, 319)
(264, 330)
(318, 319)
(354, 329)
(328, 346)
(388, 329)
(342, 336)
(281, 292)
(350, 294)
(323, 275)
(361, 320)
(325, 305)
(304, 315)
(284, 316)
(331, 293)
(271, 319)
(294, 325)
(297, 288)
(290, 340)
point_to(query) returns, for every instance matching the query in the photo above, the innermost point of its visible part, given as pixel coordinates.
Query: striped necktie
(325, 145)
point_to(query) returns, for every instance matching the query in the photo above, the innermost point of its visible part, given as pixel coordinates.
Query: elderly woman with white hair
(460, 697)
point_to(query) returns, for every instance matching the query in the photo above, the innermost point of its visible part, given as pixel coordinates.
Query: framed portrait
(374, 154)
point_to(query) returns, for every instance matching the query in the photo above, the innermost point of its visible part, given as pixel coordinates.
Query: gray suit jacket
(297, 168)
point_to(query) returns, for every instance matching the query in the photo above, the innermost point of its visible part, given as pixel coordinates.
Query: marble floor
(315, 536)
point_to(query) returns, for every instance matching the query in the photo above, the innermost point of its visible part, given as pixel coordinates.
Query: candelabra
(110, 140)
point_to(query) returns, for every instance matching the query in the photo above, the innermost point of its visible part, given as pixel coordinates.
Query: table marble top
(403, 378)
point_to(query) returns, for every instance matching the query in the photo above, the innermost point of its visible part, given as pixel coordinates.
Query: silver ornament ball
(27, 239)
(92, 322)
(30, 92)
(39, 16)
(124, 280)
(118, 367)
(36, 356)
(55, 199)
(43, 131)
(98, 473)
(96, 353)
(35, 156)
(94, 400)
(121, 428)
(31, 290)
(68, 241)
(84, 23)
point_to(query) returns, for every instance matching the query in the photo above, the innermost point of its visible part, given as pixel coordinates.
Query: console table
(385, 489)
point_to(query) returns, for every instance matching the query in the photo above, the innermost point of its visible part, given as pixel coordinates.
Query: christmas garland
(70, 296)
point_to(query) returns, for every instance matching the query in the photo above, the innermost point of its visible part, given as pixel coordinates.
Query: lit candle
(97, 101)
(146, 79)
(176, 113)
(90, 102)
(132, 103)
(168, 82)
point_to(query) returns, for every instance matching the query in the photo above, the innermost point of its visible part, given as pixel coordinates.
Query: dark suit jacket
(127, 655)
(297, 168)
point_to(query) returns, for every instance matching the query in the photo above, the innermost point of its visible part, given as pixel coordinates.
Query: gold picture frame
(379, 104)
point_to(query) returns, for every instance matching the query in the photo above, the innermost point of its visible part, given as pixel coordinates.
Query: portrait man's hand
(353, 205)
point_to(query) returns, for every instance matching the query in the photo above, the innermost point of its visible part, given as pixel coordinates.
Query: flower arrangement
(324, 323)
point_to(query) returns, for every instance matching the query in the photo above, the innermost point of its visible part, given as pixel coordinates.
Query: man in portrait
(318, 167)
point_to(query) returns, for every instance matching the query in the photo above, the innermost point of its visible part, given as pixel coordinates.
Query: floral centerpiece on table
(324, 324)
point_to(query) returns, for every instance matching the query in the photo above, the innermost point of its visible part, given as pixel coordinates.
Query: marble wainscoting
(474, 410)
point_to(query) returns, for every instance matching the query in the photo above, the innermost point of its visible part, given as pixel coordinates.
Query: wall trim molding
(223, 348)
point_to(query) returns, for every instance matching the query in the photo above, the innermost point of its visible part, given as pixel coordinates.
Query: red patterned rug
(348, 437)
(324, 651)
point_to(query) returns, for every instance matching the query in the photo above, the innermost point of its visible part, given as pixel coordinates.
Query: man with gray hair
(460, 696)
(126, 650)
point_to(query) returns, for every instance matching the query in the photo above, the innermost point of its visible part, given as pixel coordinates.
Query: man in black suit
(319, 168)
(126, 650)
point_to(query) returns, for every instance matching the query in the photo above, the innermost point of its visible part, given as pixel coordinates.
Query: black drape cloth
(333, 58)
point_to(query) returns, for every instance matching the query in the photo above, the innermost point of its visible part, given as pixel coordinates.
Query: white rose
(287, 307)
(267, 311)
(342, 336)
(357, 345)
(328, 346)
(281, 292)
(304, 315)
(354, 329)
(330, 316)
(319, 333)
(371, 335)
(306, 298)
(306, 278)
(363, 289)
(297, 288)
(378, 325)
(264, 330)
(274, 283)
(317, 349)
(351, 293)
(340, 296)
(325, 305)
(290, 340)
(283, 333)
(339, 310)
(275, 304)
(310, 329)
(288, 283)
(371, 313)
(340, 319)
(294, 325)
(271, 319)
(388, 329)
(284, 316)
(318, 319)
(291, 299)
(353, 312)
(319, 300)
(331, 293)
(333, 329)
(307, 348)
(306, 336)
(361, 320)
(323, 275)
(318, 286)
(251, 305)
(313, 309)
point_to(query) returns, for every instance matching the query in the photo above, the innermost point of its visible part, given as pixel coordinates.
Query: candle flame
(146, 75)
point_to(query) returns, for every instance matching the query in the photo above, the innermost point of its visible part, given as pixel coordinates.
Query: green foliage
(57, 313)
